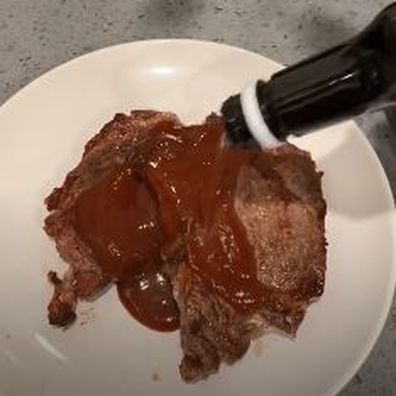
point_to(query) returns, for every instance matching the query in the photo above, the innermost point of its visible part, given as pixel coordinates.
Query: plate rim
(369, 151)
(387, 305)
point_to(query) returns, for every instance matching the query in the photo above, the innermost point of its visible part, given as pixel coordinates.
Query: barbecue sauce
(180, 194)
(118, 219)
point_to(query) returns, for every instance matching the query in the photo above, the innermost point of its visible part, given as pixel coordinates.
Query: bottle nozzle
(245, 117)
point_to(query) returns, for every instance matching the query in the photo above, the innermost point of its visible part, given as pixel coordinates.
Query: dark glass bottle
(350, 79)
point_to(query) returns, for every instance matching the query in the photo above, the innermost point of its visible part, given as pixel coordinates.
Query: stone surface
(36, 35)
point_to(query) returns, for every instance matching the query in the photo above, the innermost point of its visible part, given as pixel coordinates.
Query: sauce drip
(182, 189)
(118, 219)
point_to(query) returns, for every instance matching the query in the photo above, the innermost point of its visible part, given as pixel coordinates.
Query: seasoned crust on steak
(283, 211)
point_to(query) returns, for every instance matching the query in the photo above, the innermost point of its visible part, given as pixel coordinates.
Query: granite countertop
(36, 35)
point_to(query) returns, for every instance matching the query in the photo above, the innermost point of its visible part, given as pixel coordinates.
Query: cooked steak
(282, 209)
(115, 143)
(278, 203)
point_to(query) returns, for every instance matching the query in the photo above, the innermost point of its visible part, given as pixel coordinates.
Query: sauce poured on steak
(218, 242)
(184, 186)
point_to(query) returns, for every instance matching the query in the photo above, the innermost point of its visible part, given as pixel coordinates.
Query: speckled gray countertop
(36, 35)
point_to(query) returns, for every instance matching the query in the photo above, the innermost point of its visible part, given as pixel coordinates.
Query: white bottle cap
(254, 119)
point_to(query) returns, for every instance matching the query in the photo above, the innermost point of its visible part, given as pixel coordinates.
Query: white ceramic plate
(42, 132)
